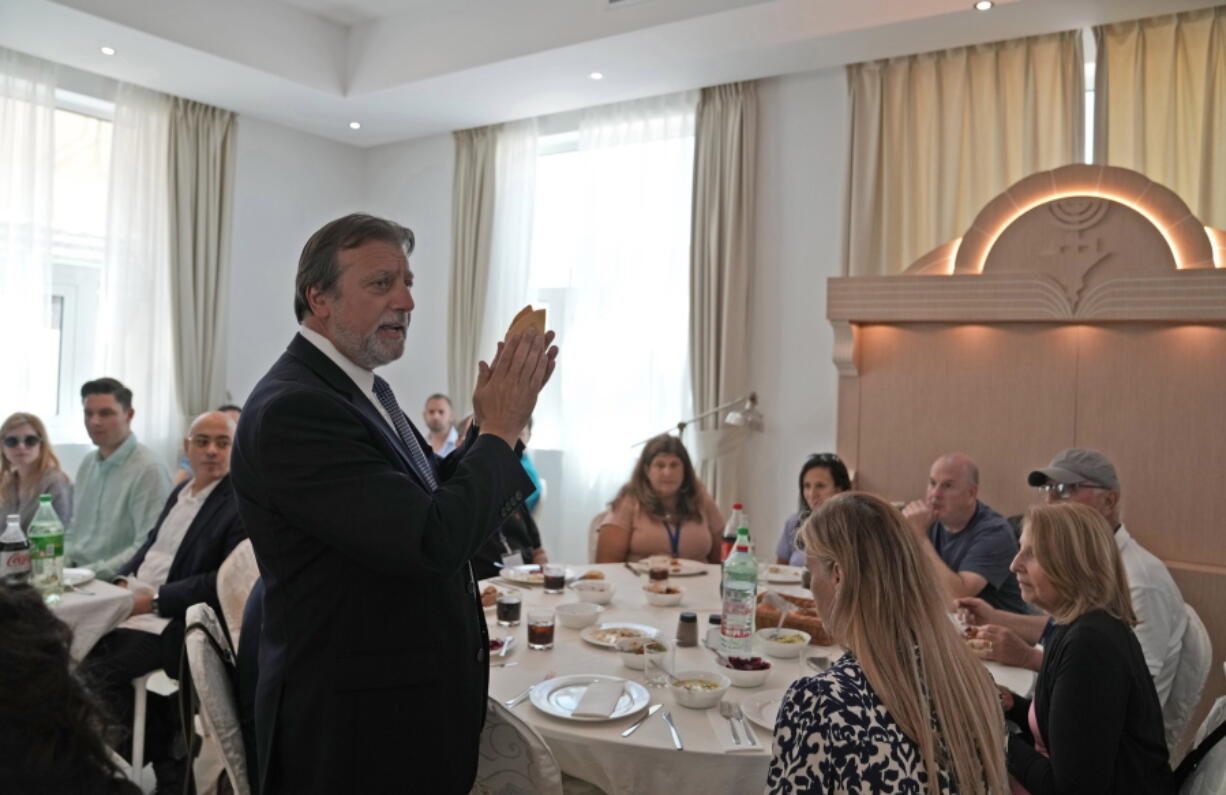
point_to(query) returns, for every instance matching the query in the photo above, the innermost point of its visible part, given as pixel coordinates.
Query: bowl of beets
(746, 671)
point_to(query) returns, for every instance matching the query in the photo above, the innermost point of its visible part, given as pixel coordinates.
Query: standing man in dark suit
(373, 654)
(175, 568)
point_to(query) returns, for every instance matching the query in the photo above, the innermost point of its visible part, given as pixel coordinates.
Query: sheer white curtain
(27, 156)
(611, 256)
(135, 335)
(506, 291)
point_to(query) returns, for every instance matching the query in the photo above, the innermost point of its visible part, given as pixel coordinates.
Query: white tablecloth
(646, 761)
(92, 611)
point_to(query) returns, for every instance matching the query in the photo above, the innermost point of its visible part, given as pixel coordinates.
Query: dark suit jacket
(372, 664)
(192, 578)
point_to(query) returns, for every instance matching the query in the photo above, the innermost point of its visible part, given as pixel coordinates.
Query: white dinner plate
(75, 577)
(681, 567)
(593, 634)
(560, 696)
(783, 575)
(529, 574)
(763, 708)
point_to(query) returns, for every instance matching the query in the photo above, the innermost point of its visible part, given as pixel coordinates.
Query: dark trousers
(121, 656)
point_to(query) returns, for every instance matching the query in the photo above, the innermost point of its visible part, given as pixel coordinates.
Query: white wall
(410, 183)
(802, 154)
(286, 185)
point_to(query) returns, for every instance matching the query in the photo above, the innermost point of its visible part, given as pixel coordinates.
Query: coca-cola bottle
(735, 522)
(14, 553)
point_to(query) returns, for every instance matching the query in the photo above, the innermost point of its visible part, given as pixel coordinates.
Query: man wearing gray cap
(1086, 476)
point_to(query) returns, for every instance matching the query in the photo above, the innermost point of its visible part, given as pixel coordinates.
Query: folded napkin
(600, 699)
(723, 734)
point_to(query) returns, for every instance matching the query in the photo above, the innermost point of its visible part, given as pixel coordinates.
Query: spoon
(818, 664)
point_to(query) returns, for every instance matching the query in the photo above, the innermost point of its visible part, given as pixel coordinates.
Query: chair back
(593, 530)
(513, 759)
(1191, 673)
(1209, 777)
(210, 659)
(235, 579)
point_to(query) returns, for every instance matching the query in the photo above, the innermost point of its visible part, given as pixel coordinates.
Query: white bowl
(699, 698)
(625, 650)
(776, 649)
(745, 678)
(596, 591)
(664, 599)
(576, 615)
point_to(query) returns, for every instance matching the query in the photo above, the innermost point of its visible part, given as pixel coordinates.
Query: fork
(515, 702)
(739, 714)
(725, 710)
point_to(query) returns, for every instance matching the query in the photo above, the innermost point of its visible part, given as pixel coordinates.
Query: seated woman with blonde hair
(907, 708)
(29, 468)
(663, 510)
(1095, 721)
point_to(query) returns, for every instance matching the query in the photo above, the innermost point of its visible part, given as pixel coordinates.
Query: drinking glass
(555, 577)
(508, 610)
(540, 629)
(658, 657)
(657, 567)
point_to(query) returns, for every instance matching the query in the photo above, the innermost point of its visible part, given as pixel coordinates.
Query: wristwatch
(153, 606)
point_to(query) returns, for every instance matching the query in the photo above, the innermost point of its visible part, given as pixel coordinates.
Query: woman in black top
(518, 541)
(1095, 725)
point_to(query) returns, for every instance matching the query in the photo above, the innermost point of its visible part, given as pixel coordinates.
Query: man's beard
(370, 351)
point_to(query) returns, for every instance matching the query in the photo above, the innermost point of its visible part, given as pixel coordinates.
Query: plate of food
(607, 635)
(677, 567)
(763, 708)
(529, 574)
(74, 577)
(784, 574)
(560, 696)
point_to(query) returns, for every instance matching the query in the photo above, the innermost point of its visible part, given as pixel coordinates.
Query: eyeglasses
(1064, 491)
(822, 458)
(29, 441)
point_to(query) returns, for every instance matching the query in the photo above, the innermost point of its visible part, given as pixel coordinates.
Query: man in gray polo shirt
(970, 544)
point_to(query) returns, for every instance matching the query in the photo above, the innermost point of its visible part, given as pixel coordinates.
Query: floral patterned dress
(833, 735)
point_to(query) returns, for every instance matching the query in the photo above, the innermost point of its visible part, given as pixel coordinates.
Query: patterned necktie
(418, 456)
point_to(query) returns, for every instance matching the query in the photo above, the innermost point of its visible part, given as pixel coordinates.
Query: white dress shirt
(1159, 607)
(155, 568)
(362, 378)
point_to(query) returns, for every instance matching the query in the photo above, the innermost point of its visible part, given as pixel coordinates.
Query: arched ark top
(1077, 198)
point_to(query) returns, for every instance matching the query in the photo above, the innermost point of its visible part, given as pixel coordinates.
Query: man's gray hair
(318, 265)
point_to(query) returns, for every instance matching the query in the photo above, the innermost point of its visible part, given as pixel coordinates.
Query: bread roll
(528, 318)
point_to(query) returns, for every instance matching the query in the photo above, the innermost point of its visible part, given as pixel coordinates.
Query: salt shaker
(714, 622)
(687, 630)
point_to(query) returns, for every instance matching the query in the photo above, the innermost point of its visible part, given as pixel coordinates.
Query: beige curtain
(936, 136)
(1160, 104)
(472, 224)
(201, 177)
(721, 244)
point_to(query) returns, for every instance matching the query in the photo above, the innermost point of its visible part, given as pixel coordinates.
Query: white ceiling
(406, 68)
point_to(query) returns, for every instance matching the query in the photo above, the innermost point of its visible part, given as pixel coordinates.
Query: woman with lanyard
(663, 510)
(517, 541)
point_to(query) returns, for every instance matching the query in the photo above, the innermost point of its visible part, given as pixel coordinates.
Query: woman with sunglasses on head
(822, 476)
(29, 468)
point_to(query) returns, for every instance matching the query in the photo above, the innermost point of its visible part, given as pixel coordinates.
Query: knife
(633, 570)
(740, 715)
(653, 709)
(515, 702)
(672, 727)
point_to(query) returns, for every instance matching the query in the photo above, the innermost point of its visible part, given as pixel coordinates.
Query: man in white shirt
(175, 568)
(440, 421)
(1086, 476)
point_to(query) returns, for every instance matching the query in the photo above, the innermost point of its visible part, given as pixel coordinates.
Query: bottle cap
(715, 618)
(689, 618)
(736, 506)
(44, 499)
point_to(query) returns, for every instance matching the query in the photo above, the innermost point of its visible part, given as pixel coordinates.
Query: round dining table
(91, 610)
(647, 761)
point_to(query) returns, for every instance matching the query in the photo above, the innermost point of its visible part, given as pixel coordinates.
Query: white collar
(364, 379)
(1122, 537)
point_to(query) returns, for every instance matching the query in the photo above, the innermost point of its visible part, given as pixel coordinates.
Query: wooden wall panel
(1152, 398)
(1003, 394)
(1205, 590)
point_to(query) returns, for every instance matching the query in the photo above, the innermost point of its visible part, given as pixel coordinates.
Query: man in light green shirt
(121, 487)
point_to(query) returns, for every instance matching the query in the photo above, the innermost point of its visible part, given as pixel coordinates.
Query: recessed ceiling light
(984, 5)
(355, 125)
(108, 50)
(597, 75)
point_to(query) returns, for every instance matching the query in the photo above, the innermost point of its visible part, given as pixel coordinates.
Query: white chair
(235, 579)
(593, 530)
(1190, 675)
(161, 684)
(513, 759)
(1209, 778)
(210, 659)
